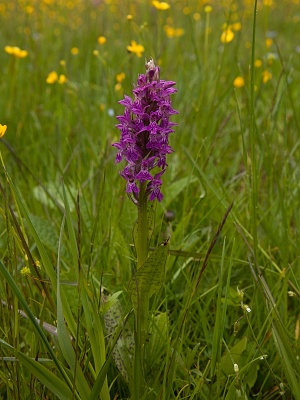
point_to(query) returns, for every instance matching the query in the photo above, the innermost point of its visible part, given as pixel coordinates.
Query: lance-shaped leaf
(149, 277)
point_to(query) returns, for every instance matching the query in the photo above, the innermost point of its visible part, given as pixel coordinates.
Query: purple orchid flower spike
(145, 128)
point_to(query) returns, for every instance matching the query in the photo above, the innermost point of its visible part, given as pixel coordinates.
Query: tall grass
(225, 321)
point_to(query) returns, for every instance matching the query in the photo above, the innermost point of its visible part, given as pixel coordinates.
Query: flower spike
(145, 128)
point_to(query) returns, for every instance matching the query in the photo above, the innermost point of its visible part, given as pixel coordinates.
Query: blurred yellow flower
(160, 5)
(173, 32)
(239, 82)
(197, 16)
(129, 17)
(25, 271)
(2, 130)
(258, 63)
(96, 53)
(269, 42)
(101, 39)
(16, 51)
(74, 51)
(237, 26)
(267, 76)
(29, 9)
(136, 48)
(62, 63)
(10, 49)
(62, 79)
(227, 35)
(118, 87)
(52, 77)
(268, 3)
(21, 54)
(120, 77)
(208, 9)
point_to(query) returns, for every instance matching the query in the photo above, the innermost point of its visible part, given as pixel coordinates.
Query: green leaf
(48, 235)
(94, 326)
(158, 339)
(64, 337)
(221, 311)
(177, 187)
(149, 277)
(51, 195)
(51, 381)
(15, 289)
(233, 356)
(46, 262)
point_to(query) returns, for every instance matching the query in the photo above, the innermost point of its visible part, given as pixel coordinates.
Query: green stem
(141, 316)
(253, 136)
(142, 243)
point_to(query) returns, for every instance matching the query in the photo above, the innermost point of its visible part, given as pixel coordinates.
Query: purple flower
(145, 129)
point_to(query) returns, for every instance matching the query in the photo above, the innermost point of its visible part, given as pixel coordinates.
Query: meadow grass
(225, 322)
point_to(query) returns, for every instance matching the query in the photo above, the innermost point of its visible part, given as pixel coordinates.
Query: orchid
(145, 128)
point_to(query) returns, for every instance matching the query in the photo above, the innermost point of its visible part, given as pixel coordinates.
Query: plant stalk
(142, 243)
(141, 315)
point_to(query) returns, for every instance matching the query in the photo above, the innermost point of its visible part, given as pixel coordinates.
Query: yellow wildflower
(173, 32)
(29, 9)
(208, 9)
(2, 130)
(227, 35)
(135, 48)
(52, 77)
(120, 77)
(258, 63)
(237, 26)
(268, 3)
(197, 16)
(9, 49)
(62, 63)
(96, 53)
(74, 51)
(25, 271)
(160, 5)
(101, 39)
(21, 54)
(267, 76)
(16, 51)
(238, 82)
(269, 42)
(129, 17)
(118, 87)
(62, 79)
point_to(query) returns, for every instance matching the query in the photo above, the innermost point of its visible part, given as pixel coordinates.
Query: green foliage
(69, 284)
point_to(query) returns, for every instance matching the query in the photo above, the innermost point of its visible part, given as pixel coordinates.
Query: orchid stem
(141, 316)
(142, 243)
